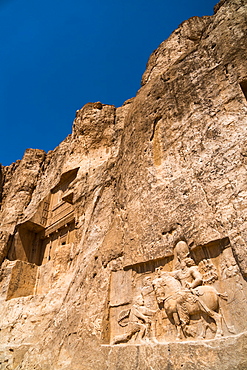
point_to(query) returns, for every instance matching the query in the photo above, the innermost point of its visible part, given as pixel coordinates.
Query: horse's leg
(204, 325)
(217, 317)
(218, 320)
(178, 325)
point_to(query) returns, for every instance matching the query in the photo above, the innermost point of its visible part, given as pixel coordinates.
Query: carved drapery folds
(195, 294)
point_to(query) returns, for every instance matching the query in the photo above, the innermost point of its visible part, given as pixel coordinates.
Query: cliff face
(93, 233)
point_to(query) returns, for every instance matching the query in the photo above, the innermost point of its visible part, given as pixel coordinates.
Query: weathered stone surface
(89, 231)
(22, 280)
(186, 355)
(20, 179)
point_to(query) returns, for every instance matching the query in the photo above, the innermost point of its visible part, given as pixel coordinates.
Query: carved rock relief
(198, 293)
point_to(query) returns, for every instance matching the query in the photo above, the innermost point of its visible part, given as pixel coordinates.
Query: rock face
(125, 247)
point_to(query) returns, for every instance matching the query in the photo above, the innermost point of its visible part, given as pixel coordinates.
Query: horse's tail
(223, 296)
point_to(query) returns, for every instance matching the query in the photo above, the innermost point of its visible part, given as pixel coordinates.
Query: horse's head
(160, 285)
(169, 284)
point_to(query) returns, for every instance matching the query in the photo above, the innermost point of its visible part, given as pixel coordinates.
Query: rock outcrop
(125, 247)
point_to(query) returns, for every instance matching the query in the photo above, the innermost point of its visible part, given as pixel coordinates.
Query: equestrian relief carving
(187, 297)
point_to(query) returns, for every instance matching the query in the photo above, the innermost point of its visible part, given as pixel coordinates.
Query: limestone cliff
(92, 232)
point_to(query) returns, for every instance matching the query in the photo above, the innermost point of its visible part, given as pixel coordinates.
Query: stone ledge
(226, 353)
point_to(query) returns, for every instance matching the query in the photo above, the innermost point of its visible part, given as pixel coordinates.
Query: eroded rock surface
(125, 247)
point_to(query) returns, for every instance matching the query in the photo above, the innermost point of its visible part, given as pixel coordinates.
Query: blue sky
(57, 55)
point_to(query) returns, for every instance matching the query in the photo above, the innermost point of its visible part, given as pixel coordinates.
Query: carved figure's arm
(147, 311)
(174, 274)
(196, 276)
(139, 315)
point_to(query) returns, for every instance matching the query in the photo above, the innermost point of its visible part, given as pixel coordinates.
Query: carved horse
(180, 304)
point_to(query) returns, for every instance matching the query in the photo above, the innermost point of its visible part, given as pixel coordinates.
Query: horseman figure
(182, 293)
(189, 278)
